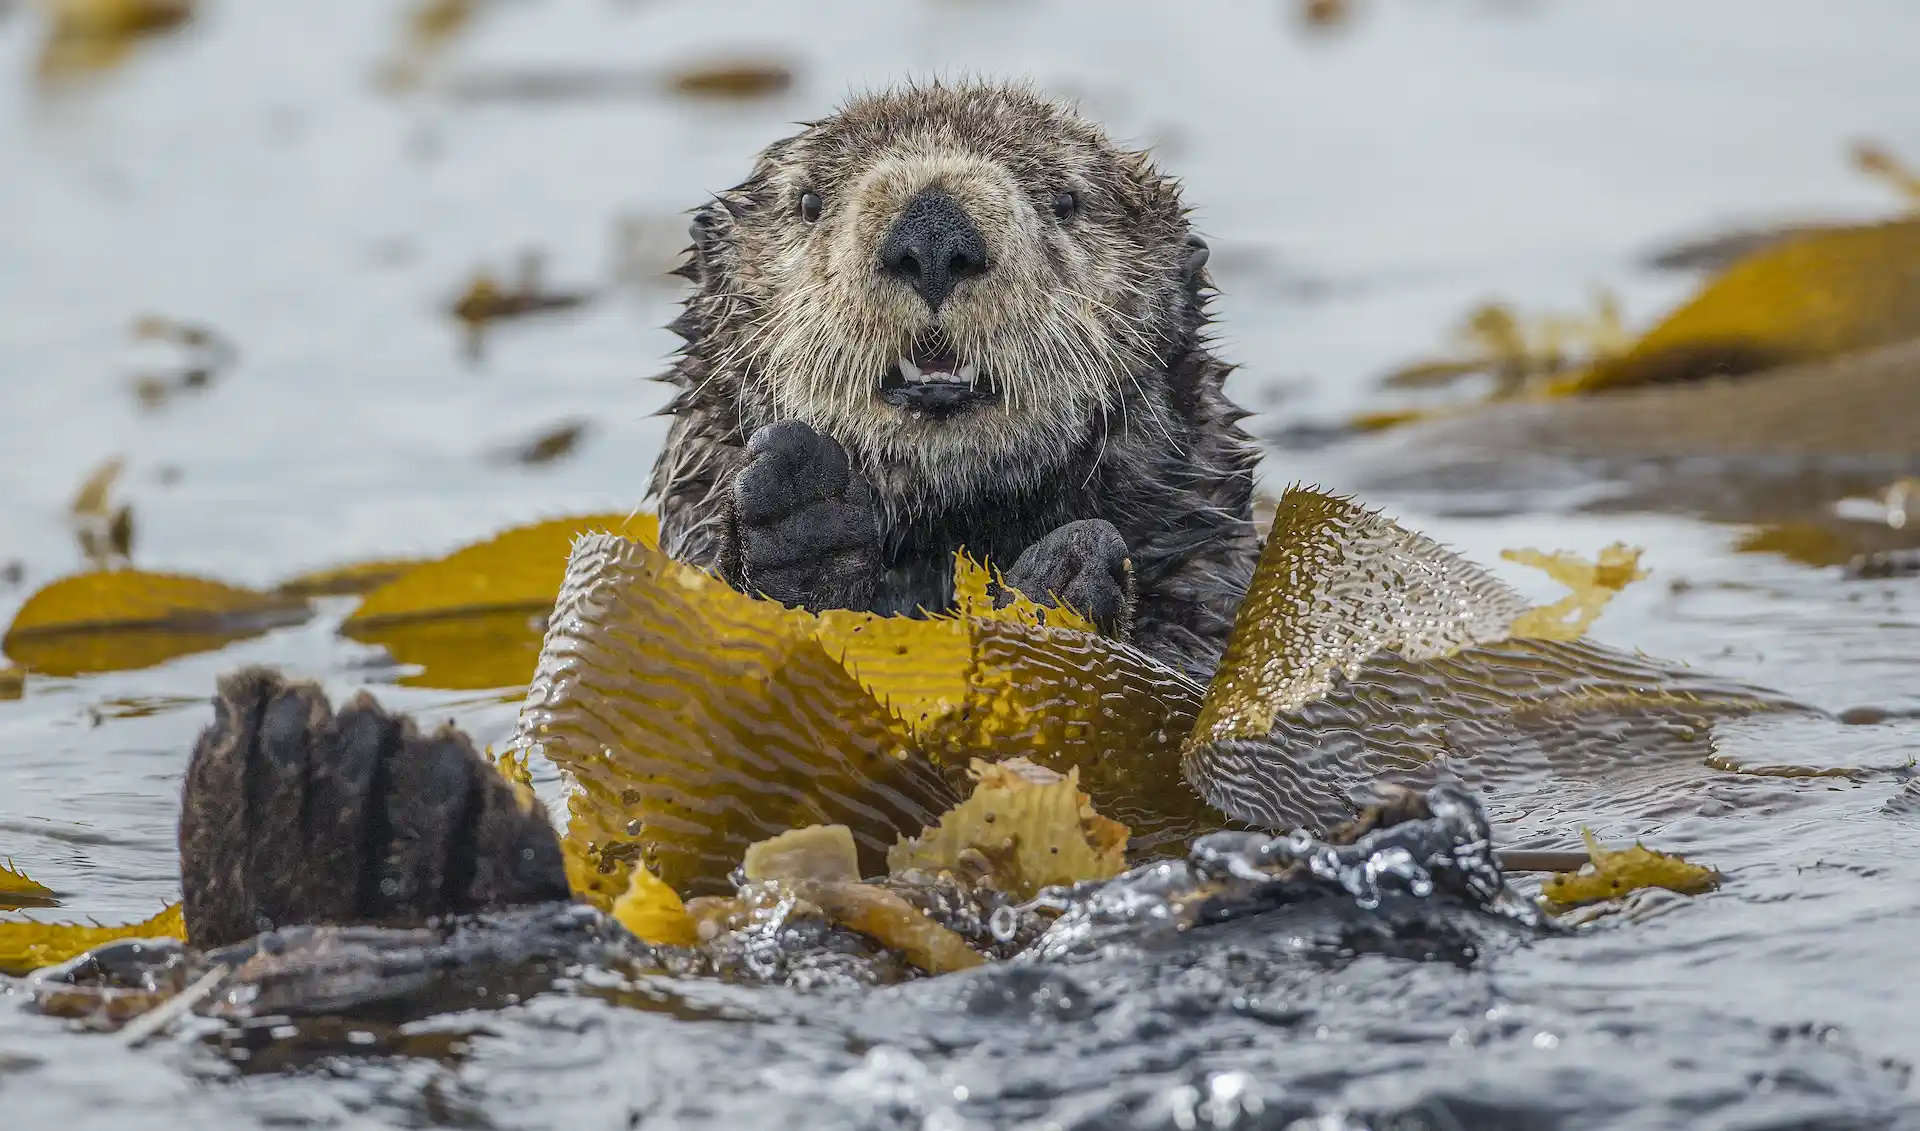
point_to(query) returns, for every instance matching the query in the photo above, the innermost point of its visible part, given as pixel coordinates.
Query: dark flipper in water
(295, 814)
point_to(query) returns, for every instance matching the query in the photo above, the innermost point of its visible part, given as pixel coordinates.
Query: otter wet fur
(960, 316)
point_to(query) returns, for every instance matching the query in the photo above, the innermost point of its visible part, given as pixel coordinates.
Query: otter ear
(1197, 255)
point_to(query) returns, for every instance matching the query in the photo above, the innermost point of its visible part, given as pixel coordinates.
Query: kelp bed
(769, 762)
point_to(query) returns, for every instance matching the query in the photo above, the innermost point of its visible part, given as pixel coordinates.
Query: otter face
(967, 287)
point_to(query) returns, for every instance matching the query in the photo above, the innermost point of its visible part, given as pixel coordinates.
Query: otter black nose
(933, 246)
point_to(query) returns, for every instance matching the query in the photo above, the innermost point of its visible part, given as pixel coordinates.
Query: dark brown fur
(1117, 410)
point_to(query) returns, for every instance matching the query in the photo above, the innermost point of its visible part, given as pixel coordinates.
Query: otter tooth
(909, 370)
(970, 372)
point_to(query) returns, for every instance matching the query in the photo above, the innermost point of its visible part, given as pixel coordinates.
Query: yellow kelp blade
(1072, 701)
(18, 890)
(1363, 651)
(29, 946)
(1024, 828)
(1612, 873)
(473, 620)
(1814, 296)
(920, 667)
(653, 912)
(698, 720)
(123, 620)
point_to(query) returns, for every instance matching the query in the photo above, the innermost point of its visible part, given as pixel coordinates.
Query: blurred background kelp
(294, 297)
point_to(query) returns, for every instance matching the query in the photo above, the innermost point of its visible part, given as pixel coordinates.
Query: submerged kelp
(471, 620)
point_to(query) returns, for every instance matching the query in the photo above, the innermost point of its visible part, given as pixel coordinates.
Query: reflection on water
(313, 192)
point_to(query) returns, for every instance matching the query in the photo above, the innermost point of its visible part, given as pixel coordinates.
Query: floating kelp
(551, 445)
(1612, 873)
(124, 620)
(104, 531)
(1516, 349)
(29, 946)
(474, 619)
(486, 300)
(1805, 300)
(1365, 651)
(19, 890)
(203, 355)
(1880, 163)
(698, 720)
(1815, 296)
(1591, 586)
(429, 28)
(93, 35)
(744, 78)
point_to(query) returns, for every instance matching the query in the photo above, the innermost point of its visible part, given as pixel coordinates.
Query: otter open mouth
(933, 380)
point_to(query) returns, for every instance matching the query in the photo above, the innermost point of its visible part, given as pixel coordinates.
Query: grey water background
(1363, 185)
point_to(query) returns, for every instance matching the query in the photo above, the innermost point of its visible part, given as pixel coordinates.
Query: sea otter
(944, 317)
(960, 316)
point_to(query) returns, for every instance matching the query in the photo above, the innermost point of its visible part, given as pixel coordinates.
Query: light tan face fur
(1067, 322)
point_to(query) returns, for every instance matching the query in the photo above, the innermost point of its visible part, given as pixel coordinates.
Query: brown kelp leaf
(651, 910)
(473, 620)
(744, 78)
(486, 300)
(1023, 829)
(1591, 586)
(16, 889)
(1814, 296)
(698, 720)
(1876, 161)
(123, 620)
(1612, 873)
(90, 501)
(88, 35)
(429, 27)
(1364, 651)
(29, 946)
(203, 354)
(554, 443)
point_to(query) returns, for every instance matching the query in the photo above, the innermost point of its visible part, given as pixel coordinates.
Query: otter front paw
(804, 530)
(295, 814)
(1084, 566)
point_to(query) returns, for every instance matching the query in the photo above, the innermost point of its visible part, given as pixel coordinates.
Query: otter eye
(1065, 204)
(809, 206)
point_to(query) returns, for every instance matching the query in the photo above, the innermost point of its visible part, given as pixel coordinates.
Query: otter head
(966, 286)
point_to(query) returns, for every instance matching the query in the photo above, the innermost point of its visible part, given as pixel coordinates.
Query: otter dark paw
(1084, 566)
(295, 814)
(804, 529)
